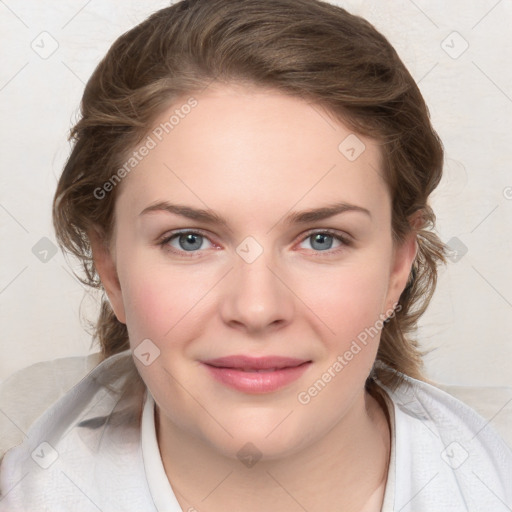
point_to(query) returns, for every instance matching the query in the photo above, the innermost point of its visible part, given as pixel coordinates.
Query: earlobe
(105, 266)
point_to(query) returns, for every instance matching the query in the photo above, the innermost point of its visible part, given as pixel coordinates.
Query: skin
(253, 156)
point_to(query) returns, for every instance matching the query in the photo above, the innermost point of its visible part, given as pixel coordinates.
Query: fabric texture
(95, 448)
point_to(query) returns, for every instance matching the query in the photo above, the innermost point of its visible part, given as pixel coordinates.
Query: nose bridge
(257, 296)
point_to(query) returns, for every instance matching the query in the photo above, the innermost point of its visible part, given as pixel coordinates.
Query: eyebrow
(210, 217)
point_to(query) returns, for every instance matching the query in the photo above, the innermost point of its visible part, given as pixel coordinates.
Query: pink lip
(241, 372)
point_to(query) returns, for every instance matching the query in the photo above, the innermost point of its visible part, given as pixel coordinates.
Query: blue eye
(188, 241)
(322, 241)
(191, 242)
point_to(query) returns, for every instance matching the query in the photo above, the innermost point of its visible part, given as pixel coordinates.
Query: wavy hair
(305, 48)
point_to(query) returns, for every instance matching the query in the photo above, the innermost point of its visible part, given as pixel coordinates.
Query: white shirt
(159, 486)
(96, 450)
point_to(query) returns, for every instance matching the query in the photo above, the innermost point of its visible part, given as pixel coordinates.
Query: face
(289, 294)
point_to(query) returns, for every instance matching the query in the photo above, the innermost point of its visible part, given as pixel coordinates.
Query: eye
(184, 242)
(322, 241)
(188, 243)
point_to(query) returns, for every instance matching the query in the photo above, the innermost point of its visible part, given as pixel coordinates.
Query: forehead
(253, 148)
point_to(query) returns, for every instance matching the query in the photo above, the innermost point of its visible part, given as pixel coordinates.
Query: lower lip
(257, 382)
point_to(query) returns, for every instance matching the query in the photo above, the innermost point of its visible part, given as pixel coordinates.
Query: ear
(105, 266)
(402, 261)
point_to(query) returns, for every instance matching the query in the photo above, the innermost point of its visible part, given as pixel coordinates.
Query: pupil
(321, 238)
(191, 241)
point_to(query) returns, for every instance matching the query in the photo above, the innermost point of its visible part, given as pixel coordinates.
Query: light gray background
(470, 99)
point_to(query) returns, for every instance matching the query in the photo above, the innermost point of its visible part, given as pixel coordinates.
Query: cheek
(348, 300)
(159, 300)
(165, 301)
(351, 306)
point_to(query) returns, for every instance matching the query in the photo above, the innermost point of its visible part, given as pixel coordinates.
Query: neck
(345, 470)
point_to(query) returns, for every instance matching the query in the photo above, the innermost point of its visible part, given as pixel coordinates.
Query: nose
(256, 296)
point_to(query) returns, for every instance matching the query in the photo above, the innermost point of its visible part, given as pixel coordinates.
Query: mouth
(256, 374)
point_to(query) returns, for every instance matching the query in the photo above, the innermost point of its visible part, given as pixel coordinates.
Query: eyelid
(334, 232)
(166, 238)
(345, 239)
(184, 231)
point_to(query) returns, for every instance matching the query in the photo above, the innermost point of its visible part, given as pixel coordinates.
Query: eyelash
(345, 241)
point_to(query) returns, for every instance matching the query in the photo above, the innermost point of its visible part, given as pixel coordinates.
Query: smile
(256, 375)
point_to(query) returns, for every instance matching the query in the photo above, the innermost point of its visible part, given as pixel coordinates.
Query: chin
(261, 442)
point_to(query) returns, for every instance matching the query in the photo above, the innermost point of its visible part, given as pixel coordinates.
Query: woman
(249, 186)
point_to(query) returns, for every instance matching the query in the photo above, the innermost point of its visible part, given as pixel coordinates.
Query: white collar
(159, 486)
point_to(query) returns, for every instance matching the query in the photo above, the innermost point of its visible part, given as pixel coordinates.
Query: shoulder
(448, 451)
(27, 393)
(82, 448)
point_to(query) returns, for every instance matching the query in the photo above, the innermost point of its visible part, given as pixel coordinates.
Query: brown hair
(305, 48)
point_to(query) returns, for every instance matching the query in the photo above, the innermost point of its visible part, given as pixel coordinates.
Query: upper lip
(243, 362)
